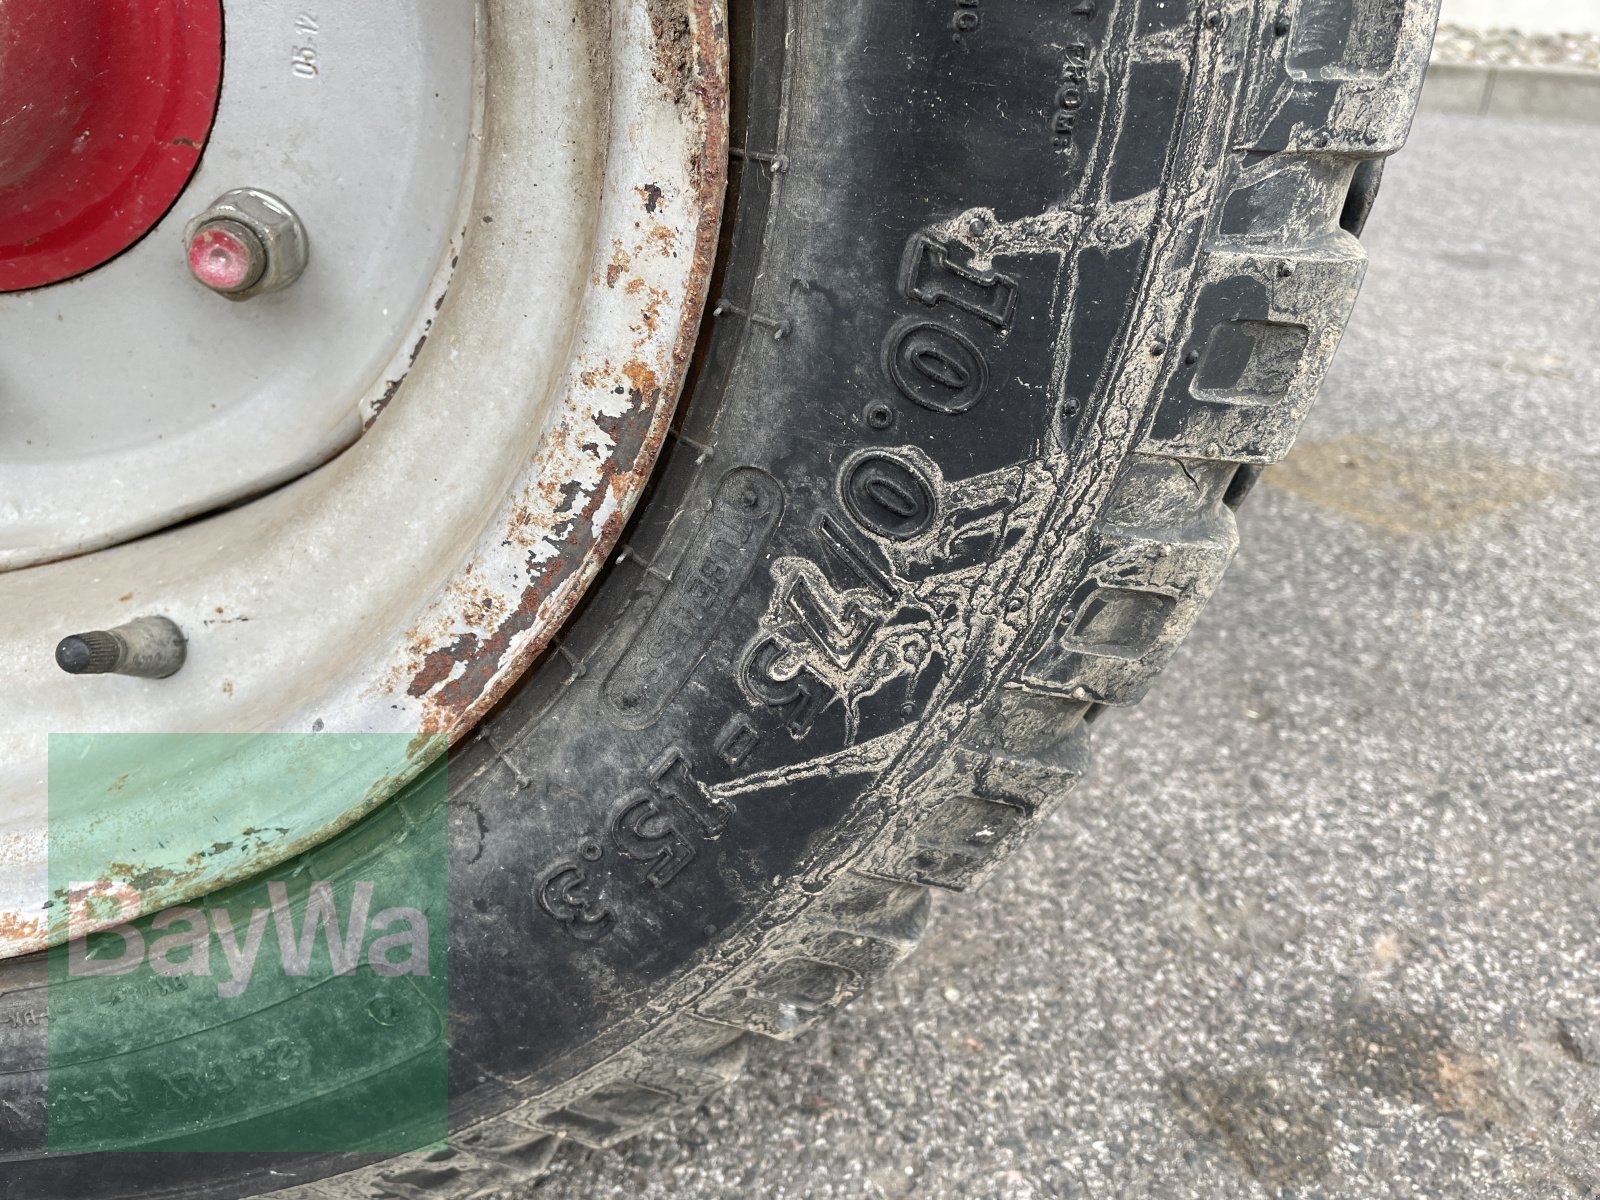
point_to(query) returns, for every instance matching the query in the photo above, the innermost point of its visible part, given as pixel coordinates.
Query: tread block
(1032, 782)
(856, 901)
(1250, 362)
(1177, 498)
(1335, 39)
(815, 974)
(983, 806)
(1285, 199)
(704, 1046)
(1261, 338)
(1119, 622)
(506, 1143)
(689, 1081)
(1123, 624)
(783, 1000)
(1339, 77)
(423, 1183)
(677, 1064)
(609, 1115)
(959, 844)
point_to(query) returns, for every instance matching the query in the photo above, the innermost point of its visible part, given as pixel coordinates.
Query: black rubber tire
(1019, 296)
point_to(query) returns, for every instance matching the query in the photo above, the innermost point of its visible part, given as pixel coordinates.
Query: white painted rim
(403, 586)
(132, 398)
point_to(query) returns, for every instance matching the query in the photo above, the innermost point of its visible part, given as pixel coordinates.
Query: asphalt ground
(1326, 920)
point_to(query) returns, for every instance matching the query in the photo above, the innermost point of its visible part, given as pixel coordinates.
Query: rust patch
(18, 930)
(199, 856)
(642, 379)
(621, 263)
(145, 879)
(437, 665)
(466, 675)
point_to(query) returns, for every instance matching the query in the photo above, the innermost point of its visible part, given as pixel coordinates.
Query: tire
(1016, 299)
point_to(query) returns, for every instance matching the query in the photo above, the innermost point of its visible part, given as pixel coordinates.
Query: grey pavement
(1528, 16)
(1326, 921)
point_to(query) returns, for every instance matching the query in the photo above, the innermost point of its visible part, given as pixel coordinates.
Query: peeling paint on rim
(570, 510)
(584, 377)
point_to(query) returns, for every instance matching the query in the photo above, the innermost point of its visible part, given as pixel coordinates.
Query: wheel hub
(107, 105)
(144, 397)
(444, 423)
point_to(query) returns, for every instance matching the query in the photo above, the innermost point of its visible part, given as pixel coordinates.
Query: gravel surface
(1326, 923)
(1459, 46)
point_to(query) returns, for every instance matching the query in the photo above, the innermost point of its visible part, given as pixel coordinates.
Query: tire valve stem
(146, 647)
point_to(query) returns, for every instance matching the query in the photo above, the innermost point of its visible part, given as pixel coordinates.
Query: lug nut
(148, 647)
(248, 242)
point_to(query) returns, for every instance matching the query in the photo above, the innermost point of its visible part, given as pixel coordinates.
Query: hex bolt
(246, 243)
(148, 647)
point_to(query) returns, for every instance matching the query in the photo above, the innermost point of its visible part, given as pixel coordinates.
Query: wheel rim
(403, 585)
